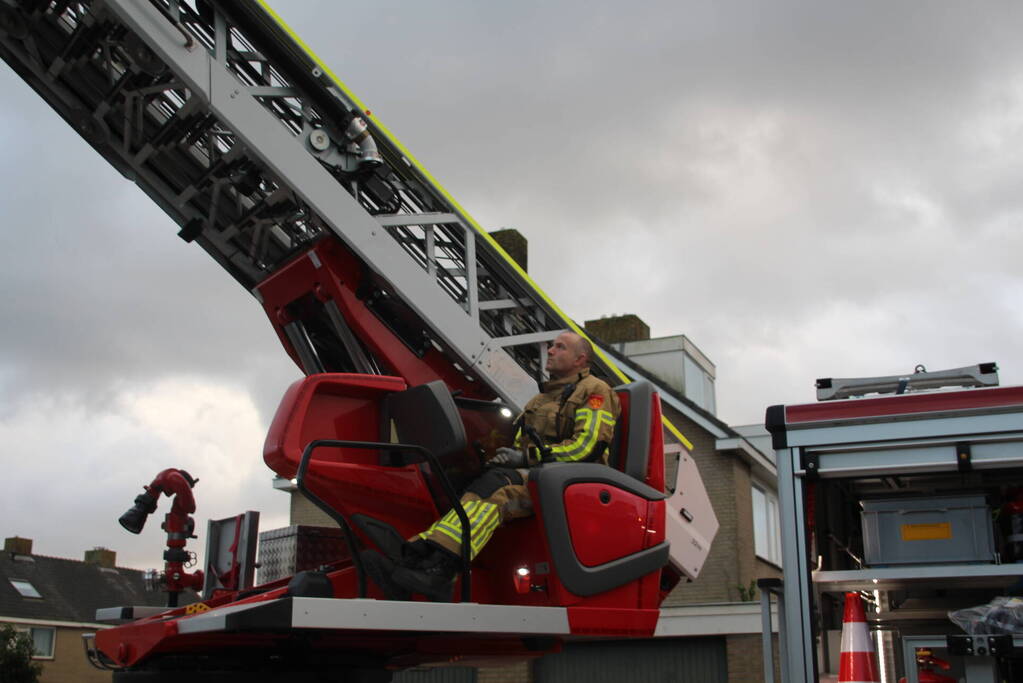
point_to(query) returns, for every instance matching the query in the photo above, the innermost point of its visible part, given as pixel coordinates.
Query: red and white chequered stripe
(858, 664)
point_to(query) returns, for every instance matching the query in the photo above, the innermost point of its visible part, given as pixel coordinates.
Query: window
(766, 536)
(26, 589)
(42, 640)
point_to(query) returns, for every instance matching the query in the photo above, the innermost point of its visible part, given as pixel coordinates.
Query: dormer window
(26, 589)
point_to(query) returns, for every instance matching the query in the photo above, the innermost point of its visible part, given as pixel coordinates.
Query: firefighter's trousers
(489, 501)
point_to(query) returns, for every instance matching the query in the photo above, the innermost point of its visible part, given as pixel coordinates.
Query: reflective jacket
(575, 417)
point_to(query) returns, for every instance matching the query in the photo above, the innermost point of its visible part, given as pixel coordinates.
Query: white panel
(387, 615)
(690, 540)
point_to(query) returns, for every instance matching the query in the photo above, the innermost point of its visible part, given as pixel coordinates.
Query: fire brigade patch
(595, 401)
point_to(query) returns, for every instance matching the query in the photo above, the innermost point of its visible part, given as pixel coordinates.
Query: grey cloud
(98, 286)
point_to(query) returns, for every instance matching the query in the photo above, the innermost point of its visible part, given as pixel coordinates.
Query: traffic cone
(858, 664)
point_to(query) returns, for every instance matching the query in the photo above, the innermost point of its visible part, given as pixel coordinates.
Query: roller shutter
(693, 660)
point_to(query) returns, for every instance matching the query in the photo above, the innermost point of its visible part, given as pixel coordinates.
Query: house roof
(70, 590)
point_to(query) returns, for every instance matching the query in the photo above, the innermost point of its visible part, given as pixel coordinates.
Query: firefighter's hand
(508, 457)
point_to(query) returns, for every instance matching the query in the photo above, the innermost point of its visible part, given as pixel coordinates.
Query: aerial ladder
(412, 326)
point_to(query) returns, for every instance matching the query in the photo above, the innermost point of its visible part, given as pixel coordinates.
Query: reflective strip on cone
(856, 638)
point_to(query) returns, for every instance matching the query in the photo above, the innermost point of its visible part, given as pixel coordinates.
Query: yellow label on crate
(926, 532)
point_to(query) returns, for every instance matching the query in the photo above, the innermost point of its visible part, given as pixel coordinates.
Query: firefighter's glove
(509, 457)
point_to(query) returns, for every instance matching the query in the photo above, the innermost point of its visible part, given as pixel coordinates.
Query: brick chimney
(618, 328)
(18, 546)
(101, 557)
(517, 246)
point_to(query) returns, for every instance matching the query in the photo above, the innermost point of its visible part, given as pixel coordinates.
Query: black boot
(414, 553)
(433, 577)
(379, 569)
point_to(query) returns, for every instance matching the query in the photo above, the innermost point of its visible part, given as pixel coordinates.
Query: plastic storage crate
(945, 530)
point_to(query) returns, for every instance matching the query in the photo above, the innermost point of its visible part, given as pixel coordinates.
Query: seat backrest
(425, 416)
(629, 449)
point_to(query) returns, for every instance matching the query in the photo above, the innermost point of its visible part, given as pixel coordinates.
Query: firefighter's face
(565, 356)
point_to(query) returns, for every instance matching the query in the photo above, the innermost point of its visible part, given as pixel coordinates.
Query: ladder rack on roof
(980, 375)
(250, 145)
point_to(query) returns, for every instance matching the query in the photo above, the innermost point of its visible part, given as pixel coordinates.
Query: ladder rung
(531, 338)
(417, 219)
(498, 304)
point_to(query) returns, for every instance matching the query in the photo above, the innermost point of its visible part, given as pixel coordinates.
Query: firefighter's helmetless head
(568, 354)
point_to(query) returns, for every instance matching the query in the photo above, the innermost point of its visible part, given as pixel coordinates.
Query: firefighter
(571, 420)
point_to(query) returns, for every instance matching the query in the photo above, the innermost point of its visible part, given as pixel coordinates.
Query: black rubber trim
(551, 481)
(774, 420)
(637, 456)
(270, 615)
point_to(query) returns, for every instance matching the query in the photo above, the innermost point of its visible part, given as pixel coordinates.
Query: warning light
(522, 580)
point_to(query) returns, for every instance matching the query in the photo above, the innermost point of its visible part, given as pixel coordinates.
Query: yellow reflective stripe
(486, 529)
(587, 439)
(451, 522)
(483, 521)
(478, 527)
(456, 537)
(676, 433)
(587, 427)
(583, 444)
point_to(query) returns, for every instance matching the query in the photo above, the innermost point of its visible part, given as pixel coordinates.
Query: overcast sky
(804, 189)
